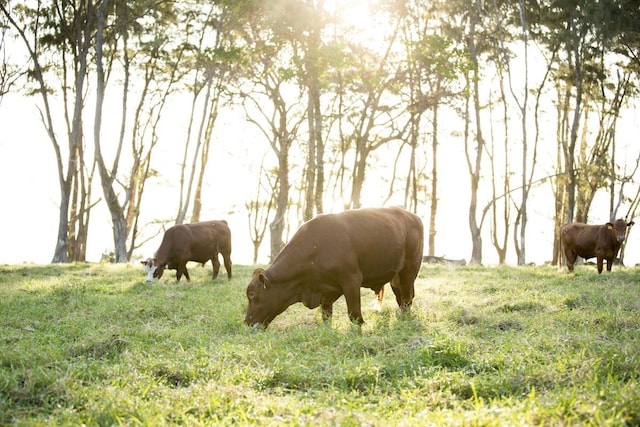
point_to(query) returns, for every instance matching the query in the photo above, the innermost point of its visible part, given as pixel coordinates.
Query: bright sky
(28, 222)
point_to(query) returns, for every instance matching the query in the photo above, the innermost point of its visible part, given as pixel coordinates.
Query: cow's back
(377, 242)
(576, 233)
(195, 242)
(384, 238)
(206, 237)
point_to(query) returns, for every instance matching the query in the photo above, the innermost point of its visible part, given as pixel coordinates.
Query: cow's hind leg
(379, 298)
(227, 264)
(403, 288)
(216, 265)
(570, 258)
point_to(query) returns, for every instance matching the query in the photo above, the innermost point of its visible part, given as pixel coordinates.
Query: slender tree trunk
(476, 239)
(411, 186)
(82, 36)
(186, 188)
(319, 158)
(577, 71)
(357, 181)
(433, 212)
(311, 167)
(107, 177)
(204, 158)
(525, 182)
(277, 226)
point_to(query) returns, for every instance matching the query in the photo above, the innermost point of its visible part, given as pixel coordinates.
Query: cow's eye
(250, 295)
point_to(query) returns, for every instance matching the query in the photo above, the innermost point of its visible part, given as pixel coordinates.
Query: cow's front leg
(352, 295)
(182, 270)
(599, 261)
(327, 312)
(326, 305)
(570, 259)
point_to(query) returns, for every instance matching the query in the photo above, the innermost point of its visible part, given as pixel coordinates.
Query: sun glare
(357, 18)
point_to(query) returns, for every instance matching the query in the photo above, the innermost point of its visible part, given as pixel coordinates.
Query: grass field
(94, 344)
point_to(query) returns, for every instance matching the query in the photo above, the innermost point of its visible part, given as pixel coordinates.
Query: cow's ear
(629, 224)
(263, 279)
(610, 226)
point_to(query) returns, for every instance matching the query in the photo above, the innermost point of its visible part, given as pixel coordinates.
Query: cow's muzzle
(254, 324)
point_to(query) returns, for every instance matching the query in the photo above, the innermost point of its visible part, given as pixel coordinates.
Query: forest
(344, 104)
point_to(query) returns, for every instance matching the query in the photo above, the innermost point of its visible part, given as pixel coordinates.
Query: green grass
(96, 345)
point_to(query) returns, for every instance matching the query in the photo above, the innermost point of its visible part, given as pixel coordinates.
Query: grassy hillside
(96, 345)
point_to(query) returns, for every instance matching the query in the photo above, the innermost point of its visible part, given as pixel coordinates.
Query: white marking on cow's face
(150, 267)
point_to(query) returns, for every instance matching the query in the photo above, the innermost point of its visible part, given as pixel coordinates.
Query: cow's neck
(288, 278)
(278, 273)
(162, 256)
(289, 264)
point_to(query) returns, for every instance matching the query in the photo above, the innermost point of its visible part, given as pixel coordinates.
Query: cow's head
(620, 226)
(265, 302)
(154, 272)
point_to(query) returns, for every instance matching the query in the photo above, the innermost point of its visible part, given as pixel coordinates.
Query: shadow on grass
(400, 352)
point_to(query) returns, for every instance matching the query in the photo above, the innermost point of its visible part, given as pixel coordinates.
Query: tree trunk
(277, 226)
(577, 74)
(107, 177)
(357, 181)
(60, 251)
(311, 166)
(474, 169)
(204, 159)
(433, 212)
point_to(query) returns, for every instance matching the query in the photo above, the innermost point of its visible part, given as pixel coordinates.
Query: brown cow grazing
(588, 241)
(199, 241)
(337, 254)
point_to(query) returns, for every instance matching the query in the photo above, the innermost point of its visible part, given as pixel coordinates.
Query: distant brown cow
(588, 241)
(337, 254)
(199, 242)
